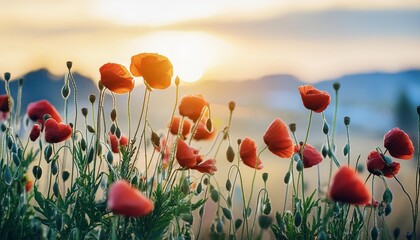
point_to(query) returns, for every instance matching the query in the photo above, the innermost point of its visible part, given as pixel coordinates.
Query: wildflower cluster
(103, 180)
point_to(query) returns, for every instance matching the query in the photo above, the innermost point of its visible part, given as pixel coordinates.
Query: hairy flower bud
(232, 106)
(69, 64)
(7, 76)
(336, 86)
(92, 98)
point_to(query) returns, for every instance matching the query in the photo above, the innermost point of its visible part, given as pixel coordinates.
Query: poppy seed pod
(69, 64)
(7, 76)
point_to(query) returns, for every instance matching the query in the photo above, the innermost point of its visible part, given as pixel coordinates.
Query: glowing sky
(221, 40)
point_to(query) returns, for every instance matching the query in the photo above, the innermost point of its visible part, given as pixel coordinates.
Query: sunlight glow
(191, 53)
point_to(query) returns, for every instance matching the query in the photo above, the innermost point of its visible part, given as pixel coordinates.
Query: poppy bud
(229, 201)
(219, 226)
(118, 132)
(346, 149)
(56, 189)
(388, 209)
(227, 213)
(214, 195)
(8, 176)
(298, 219)
(230, 154)
(3, 127)
(228, 185)
(92, 98)
(65, 91)
(54, 167)
(336, 86)
(177, 80)
(267, 207)
(100, 86)
(110, 157)
(346, 120)
(232, 106)
(387, 196)
(374, 233)
(7, 76)
(90, 129)
(83, 144)
(37, 172)
(292, 127)
(238, 223)
(65, 175)
(91, 155)
(84, 111)
(47, 153)
(113, 114)
(206, 181)
(21, 82)
(16, 159)
(155, 140)
(69, 64)
(299, 166)
(396, 233)
(264, 221)
(209, 125)
(239, 141)
(199, 188)
(287, 178)
(324, 151)
(325, 128)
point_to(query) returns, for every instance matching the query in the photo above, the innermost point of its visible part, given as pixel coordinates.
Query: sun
(191, 53)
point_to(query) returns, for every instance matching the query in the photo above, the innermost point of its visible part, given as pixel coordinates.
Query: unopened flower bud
(84, 111)
(346, 120)
(336, 86)
(100, 86)
(287, 178)
(374, 233)
(239, 141)
(325, 128)
(292, 127)
(177, 80)
(209, 125)
(113, 114)
(65, 175)
(69, 64)
(65, 91)
(230, 154)
(299, 166)
(21, 82)
(7, 76)
(92, 98)
(155, 140)
(264, 221)
(232, 106)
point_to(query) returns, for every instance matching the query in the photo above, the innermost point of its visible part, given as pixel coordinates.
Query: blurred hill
(375, 101)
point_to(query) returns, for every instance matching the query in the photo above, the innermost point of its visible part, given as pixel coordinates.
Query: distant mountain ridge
(370, 98)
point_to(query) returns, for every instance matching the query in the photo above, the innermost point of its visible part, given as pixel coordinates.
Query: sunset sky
(213, 40)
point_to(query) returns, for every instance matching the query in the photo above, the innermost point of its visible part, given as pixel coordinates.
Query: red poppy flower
(37, 110)
(116, 143)
(311, 156)
(174, 126)
(191, 106)
(56, 132)
(278, 139)
(28, 185)
(187, 156)
(202, 133)
(398, 144)
(35, 132)
(4, 103)
(375, 164)
(348, 187)
(314, 99)
(116, 78)
(248, 153)
(126, 200)
(207, 166)
(155, 69)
